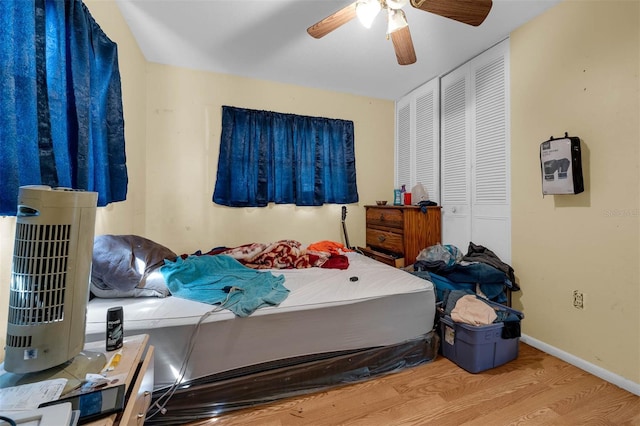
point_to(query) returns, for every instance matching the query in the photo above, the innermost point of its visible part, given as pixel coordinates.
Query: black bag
(561, 163)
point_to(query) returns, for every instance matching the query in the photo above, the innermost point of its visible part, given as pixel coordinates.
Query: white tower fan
(50, 276)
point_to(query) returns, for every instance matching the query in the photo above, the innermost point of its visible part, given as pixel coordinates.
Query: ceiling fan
(471, 12)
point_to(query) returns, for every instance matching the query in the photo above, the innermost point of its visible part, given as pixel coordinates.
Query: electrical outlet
(578, 299)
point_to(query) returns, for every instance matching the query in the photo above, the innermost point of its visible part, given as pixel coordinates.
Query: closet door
(456, 159)
(427, 139)
(490, 153)
(417, 140)
(404, 145)
(475, 153)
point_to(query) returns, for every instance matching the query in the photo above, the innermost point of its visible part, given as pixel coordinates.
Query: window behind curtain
(285, 159)
(61, 120)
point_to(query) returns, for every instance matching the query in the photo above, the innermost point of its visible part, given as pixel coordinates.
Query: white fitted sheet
(324, 312)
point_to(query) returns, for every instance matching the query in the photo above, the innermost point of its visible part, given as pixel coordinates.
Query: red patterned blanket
(287, 254)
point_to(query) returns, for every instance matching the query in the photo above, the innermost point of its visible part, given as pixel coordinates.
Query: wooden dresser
(396, 234)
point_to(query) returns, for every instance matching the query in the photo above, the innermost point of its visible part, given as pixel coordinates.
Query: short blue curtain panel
(61, 119)
(284, 159)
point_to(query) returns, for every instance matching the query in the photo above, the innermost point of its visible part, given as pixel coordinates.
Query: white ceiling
(267, 39)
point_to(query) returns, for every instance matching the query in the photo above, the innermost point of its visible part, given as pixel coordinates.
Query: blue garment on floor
(493, 291)
(209, 279)
(492, 281)
(479, 273)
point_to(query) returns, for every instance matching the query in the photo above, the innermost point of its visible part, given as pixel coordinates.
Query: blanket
(283, 254)
(220, 279)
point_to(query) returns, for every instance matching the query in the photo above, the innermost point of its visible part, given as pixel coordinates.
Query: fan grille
(39, 274)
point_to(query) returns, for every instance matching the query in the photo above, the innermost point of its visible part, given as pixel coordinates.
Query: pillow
(128, 266)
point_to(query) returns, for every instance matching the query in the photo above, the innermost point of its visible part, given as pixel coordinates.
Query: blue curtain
(61, 121)
(285, 159)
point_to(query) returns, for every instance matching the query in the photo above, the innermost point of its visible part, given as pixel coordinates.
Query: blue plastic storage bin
(476, 348)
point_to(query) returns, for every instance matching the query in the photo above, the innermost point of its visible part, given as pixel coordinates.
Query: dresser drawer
(393, 218)
(386, 240)
(391, 260)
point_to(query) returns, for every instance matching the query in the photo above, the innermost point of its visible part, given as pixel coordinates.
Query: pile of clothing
(480, 271)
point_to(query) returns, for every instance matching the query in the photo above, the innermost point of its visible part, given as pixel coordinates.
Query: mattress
(370, 304)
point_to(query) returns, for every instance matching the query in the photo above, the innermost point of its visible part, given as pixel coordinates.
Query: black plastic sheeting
(249, 387)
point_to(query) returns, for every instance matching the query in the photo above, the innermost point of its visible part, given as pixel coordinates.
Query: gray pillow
(128, 266)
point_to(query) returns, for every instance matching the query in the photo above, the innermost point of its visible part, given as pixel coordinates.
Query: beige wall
(7, 231)
(184, 112)
(129, 216)
(576, 69)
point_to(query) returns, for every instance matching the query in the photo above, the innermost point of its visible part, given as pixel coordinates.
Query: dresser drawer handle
(381, 238)
(381, 217)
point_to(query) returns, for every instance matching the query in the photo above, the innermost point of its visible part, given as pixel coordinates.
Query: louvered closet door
(427, 153)
(455, 160)
(476, 200)
(403, 144)
(417, 140)
(491, 176)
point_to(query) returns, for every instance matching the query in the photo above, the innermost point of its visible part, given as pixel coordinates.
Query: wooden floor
(535, 389)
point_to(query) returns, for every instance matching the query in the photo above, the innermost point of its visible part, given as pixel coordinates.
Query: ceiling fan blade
(331, 22)
(471, 12)
(403, 45)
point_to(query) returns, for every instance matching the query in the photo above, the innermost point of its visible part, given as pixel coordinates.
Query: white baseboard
(610, 377)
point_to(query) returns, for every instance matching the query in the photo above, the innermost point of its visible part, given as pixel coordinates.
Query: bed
(335, 326)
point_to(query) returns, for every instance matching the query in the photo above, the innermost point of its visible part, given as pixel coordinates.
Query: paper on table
(29, 396)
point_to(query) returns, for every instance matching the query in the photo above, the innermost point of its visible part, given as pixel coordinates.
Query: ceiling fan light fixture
(367, 10)
(396, 20)
(396, 4)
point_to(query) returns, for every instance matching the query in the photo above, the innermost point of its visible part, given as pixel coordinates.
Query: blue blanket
(222, 279)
